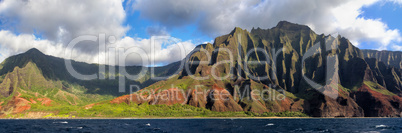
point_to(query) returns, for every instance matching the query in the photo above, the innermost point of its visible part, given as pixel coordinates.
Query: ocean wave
(61, 122)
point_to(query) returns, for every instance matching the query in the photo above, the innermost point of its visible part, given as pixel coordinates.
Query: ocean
(204, 125)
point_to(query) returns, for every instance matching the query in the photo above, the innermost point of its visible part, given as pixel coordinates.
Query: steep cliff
(300, 70)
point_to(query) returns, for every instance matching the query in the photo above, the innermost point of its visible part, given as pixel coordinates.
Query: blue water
(205, 125)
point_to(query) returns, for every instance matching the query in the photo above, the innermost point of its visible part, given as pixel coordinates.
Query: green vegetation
(43, 94)
(6, 99)
(54, 69)
(145, 110)
(1, 65)
(51, 115)
(376, 87)
(73, 96)
(106, 109)
(283, 114)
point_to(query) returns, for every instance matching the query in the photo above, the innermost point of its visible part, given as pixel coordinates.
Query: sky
(158, 32)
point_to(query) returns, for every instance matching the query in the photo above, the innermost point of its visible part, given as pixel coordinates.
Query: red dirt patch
(197, 98)
(45, 101)
(32, 101)
(20, 105)
(89, 106)
(219, 99)
(380, 104)
(17, 104)
(169, 97)
(132, 98)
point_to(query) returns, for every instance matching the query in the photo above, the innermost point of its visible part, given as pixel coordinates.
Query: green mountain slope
(27, 89)
(54, 68)
(33, 81)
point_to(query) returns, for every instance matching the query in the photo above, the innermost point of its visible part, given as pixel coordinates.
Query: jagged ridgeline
(287, 60)
(37, 82)
(365, 86)
(390, 58)
(54, 69)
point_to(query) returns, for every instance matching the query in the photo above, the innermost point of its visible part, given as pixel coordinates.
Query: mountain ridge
(53, 68)
(390, 58)
(361, 78)
(355, 79)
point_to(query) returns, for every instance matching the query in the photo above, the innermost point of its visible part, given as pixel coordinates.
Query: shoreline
(184, 118)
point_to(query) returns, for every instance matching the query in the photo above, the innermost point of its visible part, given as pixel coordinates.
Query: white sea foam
(381, 126)
(62, 122)
(270, 124)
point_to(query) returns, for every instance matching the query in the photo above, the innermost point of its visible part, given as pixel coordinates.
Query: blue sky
(389, 13)
(368, 24)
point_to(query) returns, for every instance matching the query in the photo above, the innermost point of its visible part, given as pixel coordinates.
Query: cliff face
(375, 103)
(316, 74)
(390, 58)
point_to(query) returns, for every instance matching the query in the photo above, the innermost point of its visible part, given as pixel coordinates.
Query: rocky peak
(237, 30)
(34, 51)
(291, 26)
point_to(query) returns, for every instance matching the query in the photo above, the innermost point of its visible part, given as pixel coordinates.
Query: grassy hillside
(144, 110)
(54, 69)
(27, 87)
(34, 96)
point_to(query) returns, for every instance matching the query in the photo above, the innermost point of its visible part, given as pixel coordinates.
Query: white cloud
(218, 17)
(58, 22)
(396, 47)
(166, 49)
(61, 21)
(12, 44)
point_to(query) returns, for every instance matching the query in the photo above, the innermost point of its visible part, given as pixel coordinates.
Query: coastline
(184, 118)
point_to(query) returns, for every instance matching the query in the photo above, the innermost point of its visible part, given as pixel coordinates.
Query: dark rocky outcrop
(376, 104)
(390, 58)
